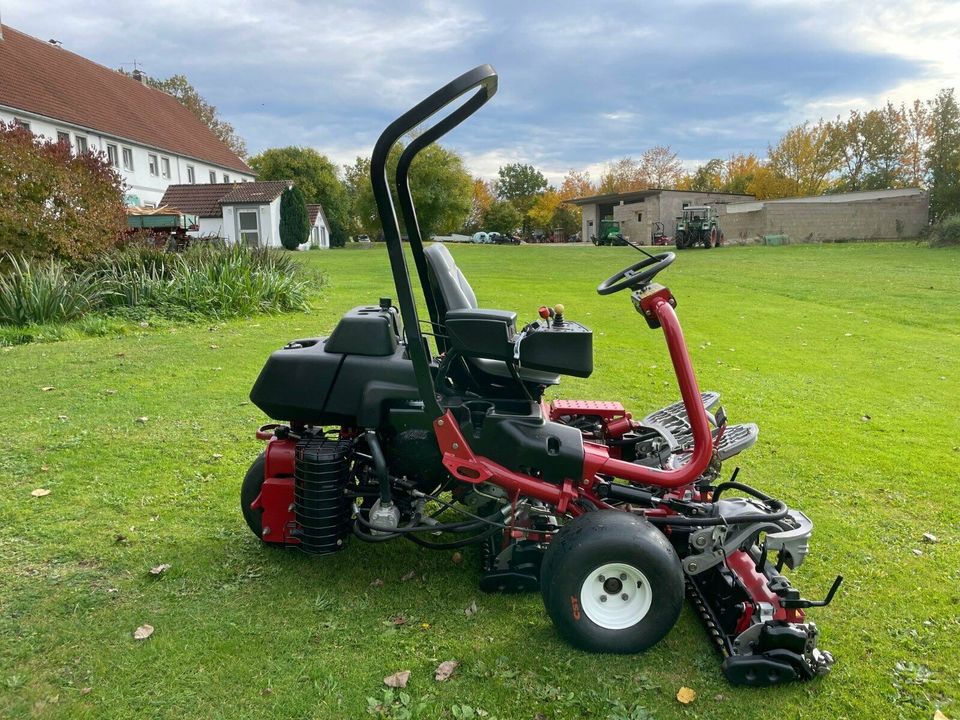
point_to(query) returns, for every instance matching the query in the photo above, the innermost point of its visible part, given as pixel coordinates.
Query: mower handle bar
(483, 79)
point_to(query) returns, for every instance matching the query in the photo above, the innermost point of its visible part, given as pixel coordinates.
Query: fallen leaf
(377, 583)
(110, 392)
(457, 558)
(120, 354)
(929, 537)
(918, 552)
(425, 626)
(471, 609)
(445, 669)
(40, 492)
(214, 347)
(62, 418)
(939, 716)
(113, 590)
(398, 679)
(409, 576)
(47, 388)
(398, 620)
(160, 569)
(217, 456)
(266, 691)
(86, 691)
(686, 695)
(143, 632)
(142, 420)
(864, 418)
(44, 468)
(120, 539)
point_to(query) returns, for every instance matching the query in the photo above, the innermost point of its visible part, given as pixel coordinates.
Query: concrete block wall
(883, 219)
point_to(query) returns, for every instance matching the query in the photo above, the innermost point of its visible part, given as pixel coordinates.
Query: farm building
(147, 135)
(636, 213)
(867, 215)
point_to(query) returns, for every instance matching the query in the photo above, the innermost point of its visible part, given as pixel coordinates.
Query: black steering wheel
(636, 275)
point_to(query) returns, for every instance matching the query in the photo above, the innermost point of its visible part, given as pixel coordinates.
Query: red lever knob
(544, 312)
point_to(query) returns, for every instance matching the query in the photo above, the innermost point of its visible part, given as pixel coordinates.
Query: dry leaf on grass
(40, 492)
(409, 576)
(471, 609)
(266, 691)
(398, 679)
(939, 716)
(86, 690)
(377, 583)
(159, 569)
(457, 558)
(143, 632)
(47, 388)
(142, 420)
(445, 669)
(44, 468)
(398, 620)
(686, 695)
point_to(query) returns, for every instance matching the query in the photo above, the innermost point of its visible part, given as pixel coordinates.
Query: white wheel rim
(616, 596)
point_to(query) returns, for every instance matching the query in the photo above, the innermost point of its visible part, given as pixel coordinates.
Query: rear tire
(249, 490)
(611, 582)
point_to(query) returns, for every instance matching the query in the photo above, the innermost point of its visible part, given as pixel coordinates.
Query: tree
(577, 184)
(915, 148)
(661, 166)
(482, 199)
(520, 184)
(442, 190)
(502, 217)
(740, 174)
(943, 155)
(315, 176)
(624, 175)
(805, 157)
(849, 138)
(707, 177)
(885, 131)
(543, 210)
(294, 219)
(53, 202)
(182, 90)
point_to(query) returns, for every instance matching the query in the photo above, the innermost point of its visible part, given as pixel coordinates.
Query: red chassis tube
(461, 462)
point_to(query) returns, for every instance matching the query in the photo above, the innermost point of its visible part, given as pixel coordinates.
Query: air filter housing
(322, 510)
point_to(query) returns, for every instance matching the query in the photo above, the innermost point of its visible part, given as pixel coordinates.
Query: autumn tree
(740, 174)
(661, 166)
(576, 184)
(886, 132)
(805, 157)
(482, 199)
(623, 175)
(316, 177)
(915, 147)
(943, 155)
(544, 208)
(706, 178)
(54, 202)
(182, 90)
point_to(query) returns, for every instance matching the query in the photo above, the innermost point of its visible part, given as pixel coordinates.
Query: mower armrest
(476, 332)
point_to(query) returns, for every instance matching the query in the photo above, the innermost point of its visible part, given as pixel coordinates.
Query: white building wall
(142, 187)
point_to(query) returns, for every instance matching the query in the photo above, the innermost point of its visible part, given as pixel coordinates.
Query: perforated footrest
(736, 439)
(672, 421)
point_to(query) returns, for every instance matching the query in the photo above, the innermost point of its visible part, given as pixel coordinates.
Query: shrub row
(946, 232)
(206, 281)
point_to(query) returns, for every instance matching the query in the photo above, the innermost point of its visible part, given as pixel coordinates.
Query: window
(191, 175)
(113, 156)
(81, 143)
(213, 176)
(226, 178)
(639, 216)
(249, 223)
(128, 159)
(63, 137)
(154, 167)
(22, 124)
(165, 166)
(149, 205)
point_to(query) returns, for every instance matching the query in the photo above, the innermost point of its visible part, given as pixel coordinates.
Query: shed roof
(637, 195)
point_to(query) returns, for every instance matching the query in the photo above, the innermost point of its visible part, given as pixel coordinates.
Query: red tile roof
(205, 200)
(313, 210)
(41, 78)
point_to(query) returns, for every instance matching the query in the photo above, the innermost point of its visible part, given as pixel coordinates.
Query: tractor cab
(698, 225)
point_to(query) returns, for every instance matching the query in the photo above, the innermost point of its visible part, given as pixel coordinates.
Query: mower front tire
(252, 483)
(612, 583)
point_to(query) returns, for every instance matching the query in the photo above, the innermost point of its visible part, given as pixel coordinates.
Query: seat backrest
(451, 288)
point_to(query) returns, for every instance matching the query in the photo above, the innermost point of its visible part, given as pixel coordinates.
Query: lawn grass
(847, 356)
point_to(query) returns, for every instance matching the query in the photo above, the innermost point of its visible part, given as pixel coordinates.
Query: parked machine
(384, 436)
(609, 234)
(657, 236)
(698, 225)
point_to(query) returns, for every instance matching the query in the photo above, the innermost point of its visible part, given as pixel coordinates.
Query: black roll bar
(483, 78)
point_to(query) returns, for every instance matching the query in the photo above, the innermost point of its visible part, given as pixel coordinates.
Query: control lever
(801, 603)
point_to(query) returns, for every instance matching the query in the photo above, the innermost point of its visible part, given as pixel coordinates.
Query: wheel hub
(615, 596)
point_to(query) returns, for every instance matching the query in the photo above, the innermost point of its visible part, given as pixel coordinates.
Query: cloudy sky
(580, 83)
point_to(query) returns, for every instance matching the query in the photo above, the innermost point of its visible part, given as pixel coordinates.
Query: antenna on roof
(55, 43)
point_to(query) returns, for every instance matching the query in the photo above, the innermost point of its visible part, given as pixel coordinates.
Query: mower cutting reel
(446, 439)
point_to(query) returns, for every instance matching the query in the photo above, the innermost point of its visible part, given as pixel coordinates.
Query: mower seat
(451, 291)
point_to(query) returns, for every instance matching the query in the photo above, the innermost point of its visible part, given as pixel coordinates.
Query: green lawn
(847, 356)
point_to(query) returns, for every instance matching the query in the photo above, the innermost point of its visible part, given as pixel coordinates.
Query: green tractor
(609, 234)
(698, 226)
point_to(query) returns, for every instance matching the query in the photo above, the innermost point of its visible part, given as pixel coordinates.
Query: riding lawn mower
(384, 435)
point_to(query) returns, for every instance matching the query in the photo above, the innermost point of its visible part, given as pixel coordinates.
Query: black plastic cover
(295, 381)
(365, 330)
(482, 333)
(561, 348)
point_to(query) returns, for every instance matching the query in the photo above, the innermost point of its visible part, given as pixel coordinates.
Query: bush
(946, 232)
(54, 203)
(206, 281)
(41, 292)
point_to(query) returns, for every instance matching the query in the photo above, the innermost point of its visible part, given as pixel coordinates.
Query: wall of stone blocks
(883, 219)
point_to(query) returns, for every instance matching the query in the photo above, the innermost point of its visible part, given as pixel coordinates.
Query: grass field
(847, 356)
